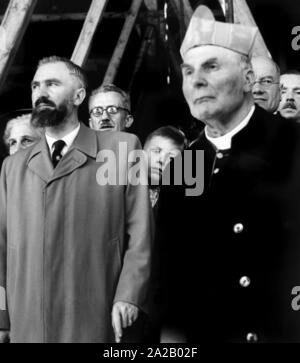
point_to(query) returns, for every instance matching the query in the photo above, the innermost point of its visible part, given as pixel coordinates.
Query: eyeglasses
(111, 110)
(265, 82)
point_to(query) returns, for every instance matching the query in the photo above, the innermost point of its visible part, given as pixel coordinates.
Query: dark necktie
(56, 155)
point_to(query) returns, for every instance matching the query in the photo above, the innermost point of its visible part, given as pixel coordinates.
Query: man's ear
(79, 96)
(90, 123)
(249, 79)
(129, 121)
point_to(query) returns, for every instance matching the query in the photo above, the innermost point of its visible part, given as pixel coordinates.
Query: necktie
(56, 155)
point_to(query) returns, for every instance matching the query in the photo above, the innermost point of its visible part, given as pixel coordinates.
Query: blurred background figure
(289, 107)
(19, 133)
(109, 108)
(161, 146)
(266, 88)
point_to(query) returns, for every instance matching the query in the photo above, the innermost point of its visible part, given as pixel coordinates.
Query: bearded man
(74, 253)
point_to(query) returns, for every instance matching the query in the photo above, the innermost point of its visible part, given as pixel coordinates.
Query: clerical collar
(224, 142)
(68, 139)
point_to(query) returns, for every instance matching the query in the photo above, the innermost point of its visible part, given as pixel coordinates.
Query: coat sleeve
(134, 278)
(4, 318)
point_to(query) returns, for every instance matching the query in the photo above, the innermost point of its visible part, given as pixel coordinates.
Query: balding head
(266, 89)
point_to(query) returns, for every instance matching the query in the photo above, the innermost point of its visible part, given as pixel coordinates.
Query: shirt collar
(68, 139)
(224, 142)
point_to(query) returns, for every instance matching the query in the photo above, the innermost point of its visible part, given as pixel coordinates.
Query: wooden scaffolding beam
(151, 5)
(122, 42)
(47, 18)
(12, 29)
(184, 6)
(143, 50)
(85, 39)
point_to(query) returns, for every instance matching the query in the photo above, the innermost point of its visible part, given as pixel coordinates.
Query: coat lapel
(39, 161)
(84, 146)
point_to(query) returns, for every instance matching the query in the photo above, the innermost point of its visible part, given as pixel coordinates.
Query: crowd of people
(84, 260)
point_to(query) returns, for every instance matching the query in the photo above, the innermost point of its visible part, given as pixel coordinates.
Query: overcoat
(70, 243)
(232, 254)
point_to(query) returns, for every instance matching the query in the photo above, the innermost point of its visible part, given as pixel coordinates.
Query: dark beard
(48, 117)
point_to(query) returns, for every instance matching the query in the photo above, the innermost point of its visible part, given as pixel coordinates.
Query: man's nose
(105, 115)
(199, 79)
(14, 148)
(39, 92)
(257, 88)
(289, 96)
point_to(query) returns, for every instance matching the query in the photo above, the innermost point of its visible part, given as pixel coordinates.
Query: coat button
(252, 337)
(219, 155)
(238, 228)
(216, 171)
(245, 281)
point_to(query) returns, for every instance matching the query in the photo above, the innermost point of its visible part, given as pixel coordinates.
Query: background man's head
(161, 146)
(266, 88)
(110, 108)
(58, 88)
(20, 134)
(289, 107)
(217, 75)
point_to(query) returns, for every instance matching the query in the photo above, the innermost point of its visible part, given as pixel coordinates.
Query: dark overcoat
(69, 245)
(232, 255)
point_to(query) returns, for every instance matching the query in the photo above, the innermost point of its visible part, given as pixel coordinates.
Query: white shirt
(224, 142)
(68, 139)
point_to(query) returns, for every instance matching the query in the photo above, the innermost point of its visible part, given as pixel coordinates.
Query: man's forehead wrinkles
(199, 61)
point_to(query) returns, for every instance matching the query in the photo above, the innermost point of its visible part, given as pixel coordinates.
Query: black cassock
(230, 258)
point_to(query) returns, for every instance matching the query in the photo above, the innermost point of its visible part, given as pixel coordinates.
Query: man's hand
(123, 316)
(4, 336)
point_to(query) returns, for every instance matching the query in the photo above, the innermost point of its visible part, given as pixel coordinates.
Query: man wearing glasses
(266, 88)
(109, 108)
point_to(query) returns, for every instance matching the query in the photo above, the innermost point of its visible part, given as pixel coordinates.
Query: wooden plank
(143, 50)
(40, 18)
(229, 11)
(13, 26)
(84, 42)
(188, 10)
(178, 5)
(243, 15)
(151, 5)
(122, 42)
(223, 6)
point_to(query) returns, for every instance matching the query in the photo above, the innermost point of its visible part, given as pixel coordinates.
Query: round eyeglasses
(111, 110)
(265, 82)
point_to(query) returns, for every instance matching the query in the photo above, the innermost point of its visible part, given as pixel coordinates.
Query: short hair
(276, 66)
(291, 71)
(109, 87)
(16, 120)
(74, 69)
(169, 132)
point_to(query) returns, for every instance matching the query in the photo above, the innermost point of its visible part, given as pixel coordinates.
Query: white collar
(68, 139)
(224, 142)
